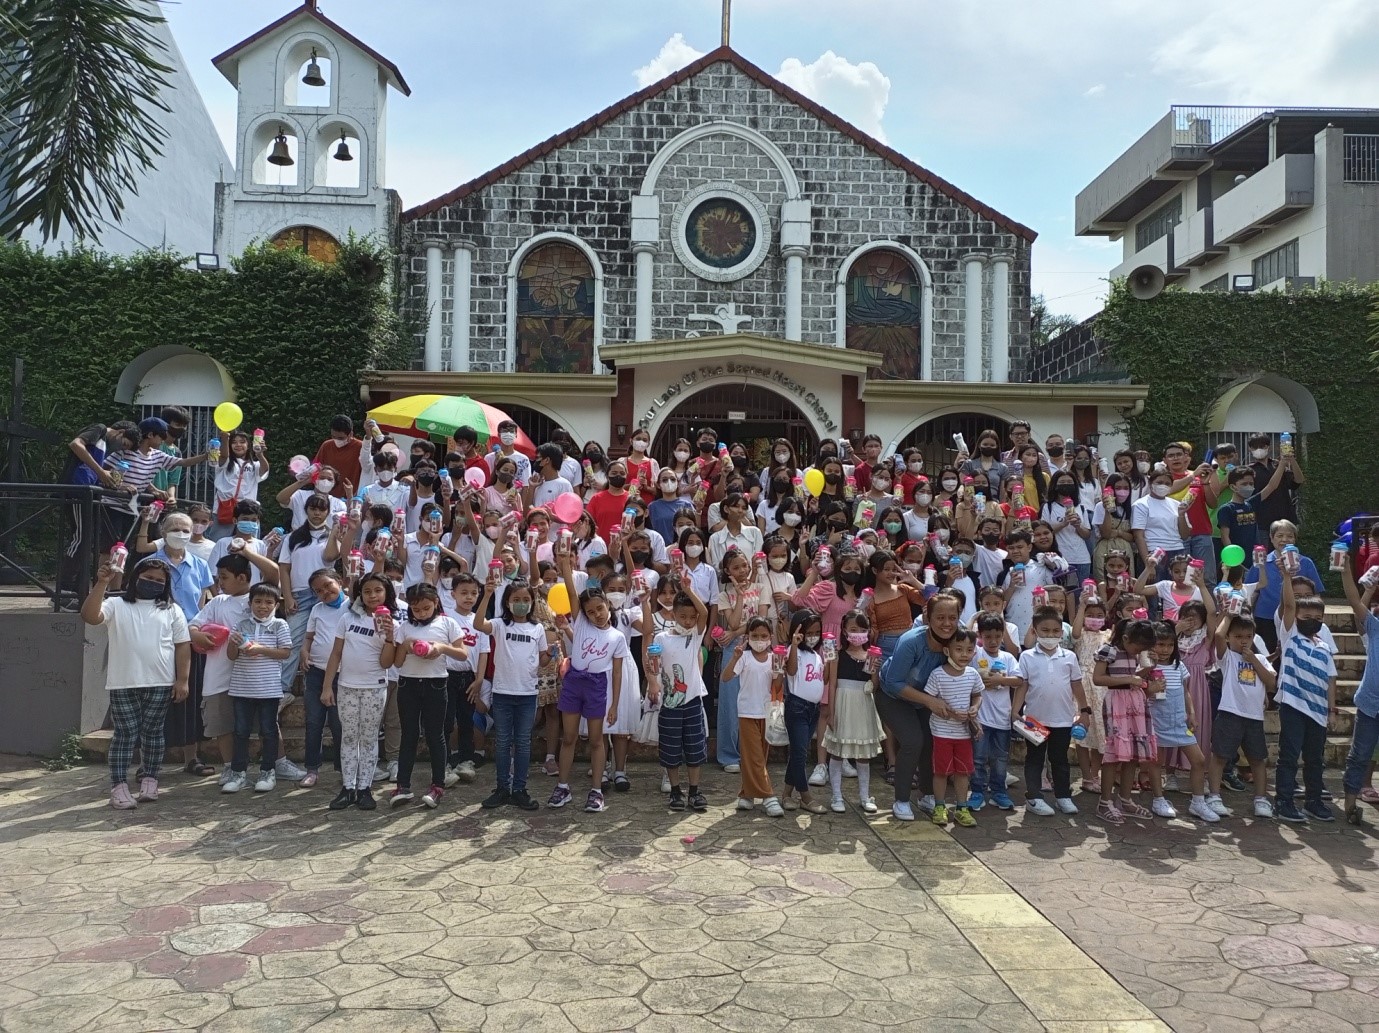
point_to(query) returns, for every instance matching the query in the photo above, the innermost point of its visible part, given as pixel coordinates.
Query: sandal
(813, 806)
(790, 804)
(1369, 794)
(198, 768)
(1092, 786)
(1109, 813)
(621, 783)
(1133, 810)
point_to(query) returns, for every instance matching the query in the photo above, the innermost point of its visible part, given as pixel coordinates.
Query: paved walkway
(215, 913)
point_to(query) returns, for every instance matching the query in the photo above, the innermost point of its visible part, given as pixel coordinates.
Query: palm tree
(80, 85)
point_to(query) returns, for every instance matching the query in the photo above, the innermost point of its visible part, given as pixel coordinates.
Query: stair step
(1341, 723)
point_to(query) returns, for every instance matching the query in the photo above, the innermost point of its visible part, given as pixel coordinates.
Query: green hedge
(1190, 346)
(292, 332)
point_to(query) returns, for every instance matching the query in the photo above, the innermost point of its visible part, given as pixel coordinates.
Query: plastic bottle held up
(259, 438)
(1261, 555)
(960, 443)
(375, 431)
(399, 526)
(155, 511)
(823, 561)
(354, 565)
(119, 556)
(778, 654)
(864, 600)
(873, 663)
(829, 649)
(1089, 589)
(1285, 444)
(1040, 594)
(797, 486)
(379, 614)
(1017, 575)
(430, 559)
(1157, 557)
(356, 510)
(1340, 555)
(213, 450)
(653, 659)
(1292, 559)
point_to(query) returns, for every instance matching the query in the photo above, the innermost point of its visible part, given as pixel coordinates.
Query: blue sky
(1020, 103)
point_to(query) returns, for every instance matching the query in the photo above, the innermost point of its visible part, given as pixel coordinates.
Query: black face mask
(740, 462)
(506, 477)
(780, 484)
(149, 588)
(426, 478)
(988, 450)
(837, 525)
(706, 447)
(616, 480)
(1066, 491)
(850, 577)
(593, 455)
(456, 472)
(640, 558)
(1307, 626)
(833, 478)
(1056, 452)
(990, 540)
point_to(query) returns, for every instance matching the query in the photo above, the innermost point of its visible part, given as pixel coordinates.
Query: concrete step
(1340, 617)
(1341, 724)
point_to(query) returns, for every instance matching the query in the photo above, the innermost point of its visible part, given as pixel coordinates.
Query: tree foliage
(1044, 325)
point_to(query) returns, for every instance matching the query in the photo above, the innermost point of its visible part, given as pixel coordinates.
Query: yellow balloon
(228, 416)
(814, 482)
(558, 599)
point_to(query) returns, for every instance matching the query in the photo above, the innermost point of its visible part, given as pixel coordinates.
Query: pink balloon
(219, 633)
(474, 477)
(297, 464)
(567, 507)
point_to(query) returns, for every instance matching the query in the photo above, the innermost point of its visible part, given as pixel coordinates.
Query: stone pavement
(268, 913)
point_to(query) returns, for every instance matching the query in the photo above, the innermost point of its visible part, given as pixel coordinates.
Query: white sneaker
(744, 805)
(1263, 808)
(392, 771)
(268, 781)
(286, 768)
(819, 777)
(380, 772)
(1162, 808)
(1065, 805)
(849, 771)
(464, 770)
(1171, 782)
(1011, 780)
(837, 806)
(665, 783)
(451, 777)
(902, 811)
(868, 804)
(224, 776)
(121, 799)
(926, 805)
(732, 769)
(237, 781)
(1200, 808)
(773, 808)
(1217, 806)
(1039, 806)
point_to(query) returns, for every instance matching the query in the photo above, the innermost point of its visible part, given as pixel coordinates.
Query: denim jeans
(726, 737)
(317, 716)
(264, 713)
(1203, 547)
(459, 714)
(801, 717)
(296, 624)
(1362, 746)
(421, 708)
(990, 752)
(1299, 734)
(513, 717)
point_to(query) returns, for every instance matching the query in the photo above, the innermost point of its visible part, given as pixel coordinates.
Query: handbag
(648, 730)
(776, 735)
(225, 508)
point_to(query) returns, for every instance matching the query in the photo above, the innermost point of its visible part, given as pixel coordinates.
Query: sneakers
(1354, 816)
(399, 796)
(343, 799)
(849, 771)
(940, 814)
(523, 802)
(697, 802)
(868, 804)
(1263, 808)
(1316, 809)
(392, 771)
(1162, 808)
(1109, 813)
(268, 781)
(148, 790)
(451, 777)
(237, 781)
(495, 799)
(837, 806)
(1171, 782)
(1217, 806)
(677, 799)
(1065, 805)
(551, 767)
(976, 801)
(1039, 806)
(121, 799)
(560, 796)
(902, 811)
(665, 783)
(819, 776)
(380, 773)
(732, 769)
(926, 805)
(364, 800)
(464, 770)
(1003, 801)
(309, 780)
(1011, 780)
(1230, 778)
(224, 776)
(1287, 810)
(433, 796)
(285, 768)
(1200, 808)
(965, 818)
(773, 809)
(744, 804)
(593, 803)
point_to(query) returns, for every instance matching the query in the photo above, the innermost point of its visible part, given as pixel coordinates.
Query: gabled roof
(228, 62)
(752, 71)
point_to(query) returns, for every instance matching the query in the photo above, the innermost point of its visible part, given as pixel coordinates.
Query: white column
(461, 315)
(434, 282)
(794, 293)
(972, 320)
(1000, 319)
(646, 256)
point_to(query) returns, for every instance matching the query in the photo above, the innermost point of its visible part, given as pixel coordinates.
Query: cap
(153, 425)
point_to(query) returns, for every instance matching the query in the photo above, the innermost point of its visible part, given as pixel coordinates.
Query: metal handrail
(79, 561)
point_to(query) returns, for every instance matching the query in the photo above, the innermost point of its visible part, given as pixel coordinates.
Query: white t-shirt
(988, 563)
(754, 684)
(441, 630)
(359, 666)
(682, 679)
(808, 680)
(475, 641)
(1242, 693)
(226, 610)
(297, 504)
(957, 691)
(306, 559)
(517, 649)
(1049, 677)
(594, 649)
(548, 491)
(1071, 545)
(221, 549)
(228, 478)
(1020, 605)
(1171, 603)
(995, 707)
(321, 627)
(1158, 519)
(704, 580)
(142, 640)
(394, 495)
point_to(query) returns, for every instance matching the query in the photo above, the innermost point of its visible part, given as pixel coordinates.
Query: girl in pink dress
(1196, 629)
(1123, 667)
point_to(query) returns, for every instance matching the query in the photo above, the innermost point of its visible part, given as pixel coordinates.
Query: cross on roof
(727, 20)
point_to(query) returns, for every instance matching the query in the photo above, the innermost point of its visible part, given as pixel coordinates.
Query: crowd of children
(850, 609)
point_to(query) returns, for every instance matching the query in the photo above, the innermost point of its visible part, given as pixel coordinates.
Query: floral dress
(1087, 646)
(1129, 730)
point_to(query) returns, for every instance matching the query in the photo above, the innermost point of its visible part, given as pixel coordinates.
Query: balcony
(1194, 242)
(1158, 254)
(1276, 192)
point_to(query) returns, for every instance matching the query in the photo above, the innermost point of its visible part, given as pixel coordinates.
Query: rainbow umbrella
(439, 416)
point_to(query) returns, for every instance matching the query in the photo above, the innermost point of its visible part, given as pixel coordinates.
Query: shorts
(217, 715)
(584, 693)
(115, 525)
(1230, 732)
(683, 732)
(953, 756)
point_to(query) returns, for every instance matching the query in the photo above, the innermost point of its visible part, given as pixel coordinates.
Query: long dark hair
(164, 600)
(301, 534)
(357, 592)
(227, 456)
(1041, 479)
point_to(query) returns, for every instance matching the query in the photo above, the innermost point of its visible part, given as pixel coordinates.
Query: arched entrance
(935, 438)
(742, 413)
(1266, 404)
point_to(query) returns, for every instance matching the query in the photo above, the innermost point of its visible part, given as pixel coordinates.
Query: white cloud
(1095, 91)
(673, 56)
(856, 92)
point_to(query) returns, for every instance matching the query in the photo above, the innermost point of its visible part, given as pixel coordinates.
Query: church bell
(342, 153)
(313, 75)
(280, 156)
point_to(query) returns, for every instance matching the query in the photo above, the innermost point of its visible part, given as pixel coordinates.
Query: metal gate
(765, 417)
(198, 482)
(935, 438)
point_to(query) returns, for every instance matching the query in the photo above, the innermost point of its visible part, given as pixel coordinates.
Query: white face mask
(492, 532)
(792, 519)
(915, 467)
(1142, 467)
(507, 437)
(200, 528)
(811, 641)
(778, 562)
(324, 487)
(616, 599)
(881, 483)
(759, 645)
(385, 477)
(178, 539)
(670, 485)
(782, 458)
(943, 534)
(1259, 453)
(950, 485)
(639, 445)
(1159, 491)
(694, 551)
(924, 499)
(1048, 644)
(682, 457)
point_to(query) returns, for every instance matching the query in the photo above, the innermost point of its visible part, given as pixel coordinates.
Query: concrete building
(1283, 196)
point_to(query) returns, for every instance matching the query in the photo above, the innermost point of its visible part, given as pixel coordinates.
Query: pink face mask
(858, 638)
(1094, 623)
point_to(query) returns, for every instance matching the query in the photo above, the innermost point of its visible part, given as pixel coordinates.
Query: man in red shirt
(467, 455)
(871, 454)
(1178, 459)
(341, 451)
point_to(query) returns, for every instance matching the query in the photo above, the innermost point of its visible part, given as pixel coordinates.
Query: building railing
(48, 546)
(1360, 158)
(1203, 125)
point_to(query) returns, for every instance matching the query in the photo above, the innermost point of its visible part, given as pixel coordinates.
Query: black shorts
(113, 525)
(683, 732)
(1230, 732)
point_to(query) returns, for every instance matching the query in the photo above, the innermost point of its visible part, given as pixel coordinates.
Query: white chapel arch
(173, 374)
(926, 304)
(1265, 403)
(689, 136)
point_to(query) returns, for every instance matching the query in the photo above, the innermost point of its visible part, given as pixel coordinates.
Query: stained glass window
(884, 313)
(555, 311)
(721, 233)
(319, 244)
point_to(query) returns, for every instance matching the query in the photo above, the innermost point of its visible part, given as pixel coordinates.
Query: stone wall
(584, 187)
(1074, 355)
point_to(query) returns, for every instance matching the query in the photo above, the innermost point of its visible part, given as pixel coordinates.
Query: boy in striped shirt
(1306, 700)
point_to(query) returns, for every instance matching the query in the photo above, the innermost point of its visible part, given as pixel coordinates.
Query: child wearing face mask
(959, 686)
(751, 667)
(386, 489)
(1111, 518)
(1090, 634)
(643, 472)
(1125, 668)
(1050, 692)
(625, 610)
(675, 680)
(1174, 718)
(778, 582)
(853, 734)
(805, 696)
(661, 511)
(912, 474)
(316, 647)
(997, 669)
